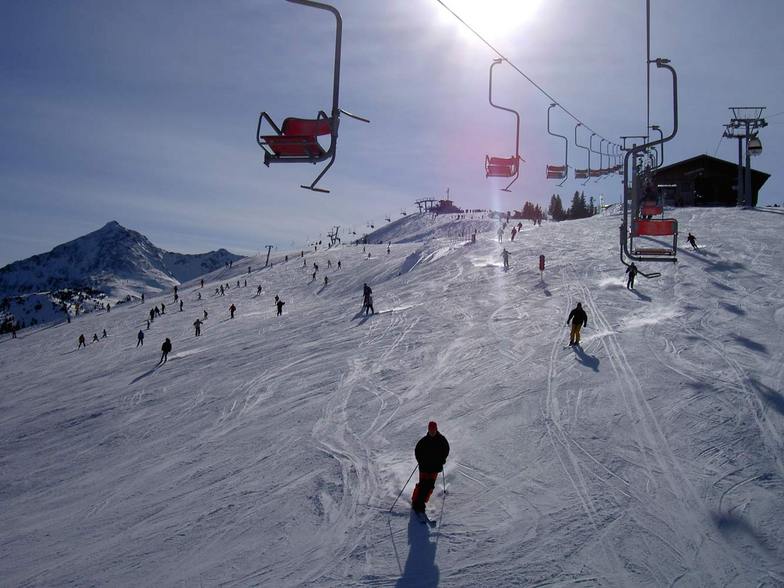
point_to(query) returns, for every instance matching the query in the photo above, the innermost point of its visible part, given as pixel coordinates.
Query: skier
(180, 305)
(142, 296)
(500, 234)
(326, 281)
(329, 264)
(245, 284)
(199, 296)
(205, 315)
(692, 240)
(514, 233)
(578, 319)
(222, 293)
(232, 309)
(279, 303)
(505, 254)
(388, 246)
(108, 308)
(95, 337)
(103, 336)
(163, 308)
(258, 291)
(140, 338)
(148, 324)
(13, 331)
(165, 349)
(81, 341)
(339, 264)
(197, 326)
(202, 282)
(238, 283)
(632, 271)
(431, 452)
(369, 305)
(248, 270)
(366, 292)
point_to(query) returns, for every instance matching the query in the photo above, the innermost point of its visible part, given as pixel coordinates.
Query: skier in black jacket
(431, 452)
(578, 318)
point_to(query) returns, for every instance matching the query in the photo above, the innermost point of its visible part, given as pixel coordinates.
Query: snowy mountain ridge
(269, 450)
(112, 259)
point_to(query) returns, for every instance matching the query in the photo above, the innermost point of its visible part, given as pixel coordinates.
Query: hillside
(267, 451)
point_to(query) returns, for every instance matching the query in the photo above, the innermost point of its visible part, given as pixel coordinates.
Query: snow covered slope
(112, 259)
(267, 451)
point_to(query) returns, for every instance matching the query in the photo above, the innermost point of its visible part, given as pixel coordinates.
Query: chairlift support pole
(566, 143)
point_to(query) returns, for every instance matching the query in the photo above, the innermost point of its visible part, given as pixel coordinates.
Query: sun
(495, 18)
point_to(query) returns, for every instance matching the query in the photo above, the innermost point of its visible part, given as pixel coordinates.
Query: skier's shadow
(421, 569)
(641, 296)
(590, 361)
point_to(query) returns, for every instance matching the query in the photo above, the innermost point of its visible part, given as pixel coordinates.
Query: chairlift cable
(521, 72)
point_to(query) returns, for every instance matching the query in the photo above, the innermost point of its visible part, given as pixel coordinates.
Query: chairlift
(503, 167)
(638, 210)
(558, 172)
(296, 140)
(582, 174)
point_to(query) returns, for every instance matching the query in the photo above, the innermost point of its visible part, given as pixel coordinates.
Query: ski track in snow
(269, 450)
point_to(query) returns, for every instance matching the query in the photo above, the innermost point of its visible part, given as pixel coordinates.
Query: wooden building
(704, 181)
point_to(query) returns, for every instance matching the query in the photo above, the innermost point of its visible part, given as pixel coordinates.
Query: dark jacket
(578, 317)
(431, 452)
(167, 346)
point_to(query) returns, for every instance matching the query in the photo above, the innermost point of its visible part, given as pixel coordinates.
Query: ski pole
(404, 487)
(443, 479)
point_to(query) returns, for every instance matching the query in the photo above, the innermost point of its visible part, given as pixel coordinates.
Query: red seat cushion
(501, 167)
(306, 126)
(294, 146)
(657, 228)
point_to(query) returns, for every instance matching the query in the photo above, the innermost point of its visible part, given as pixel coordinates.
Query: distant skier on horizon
(140, 338)
(579, 319)
(430, 452)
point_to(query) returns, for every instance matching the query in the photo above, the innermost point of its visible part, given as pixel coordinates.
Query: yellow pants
(574, 336)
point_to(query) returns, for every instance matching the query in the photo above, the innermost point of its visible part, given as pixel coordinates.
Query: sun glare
(495, 17)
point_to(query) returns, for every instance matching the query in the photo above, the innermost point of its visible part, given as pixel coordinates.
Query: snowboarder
(232, 310)
(632, 271)
(165, 349)
(431, 452)
(180, 305)
(81, 341)
(279, 303)
(197, 326)
(95, 337)
(505, 254)
(692, 240)
(140, 338)
(578, 319)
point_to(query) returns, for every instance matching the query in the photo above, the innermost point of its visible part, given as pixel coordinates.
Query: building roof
(705, 160)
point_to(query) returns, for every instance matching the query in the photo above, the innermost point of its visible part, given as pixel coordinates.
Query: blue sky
(145, 112)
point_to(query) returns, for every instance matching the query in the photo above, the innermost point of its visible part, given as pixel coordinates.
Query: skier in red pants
(431, 452)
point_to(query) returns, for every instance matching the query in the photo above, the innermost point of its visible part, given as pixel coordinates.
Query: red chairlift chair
(296, 140)
(503, 167)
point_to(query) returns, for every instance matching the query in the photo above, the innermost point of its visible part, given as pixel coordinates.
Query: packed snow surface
(268, 451)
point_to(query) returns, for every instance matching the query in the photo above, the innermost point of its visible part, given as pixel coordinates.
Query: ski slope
(267, 451)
